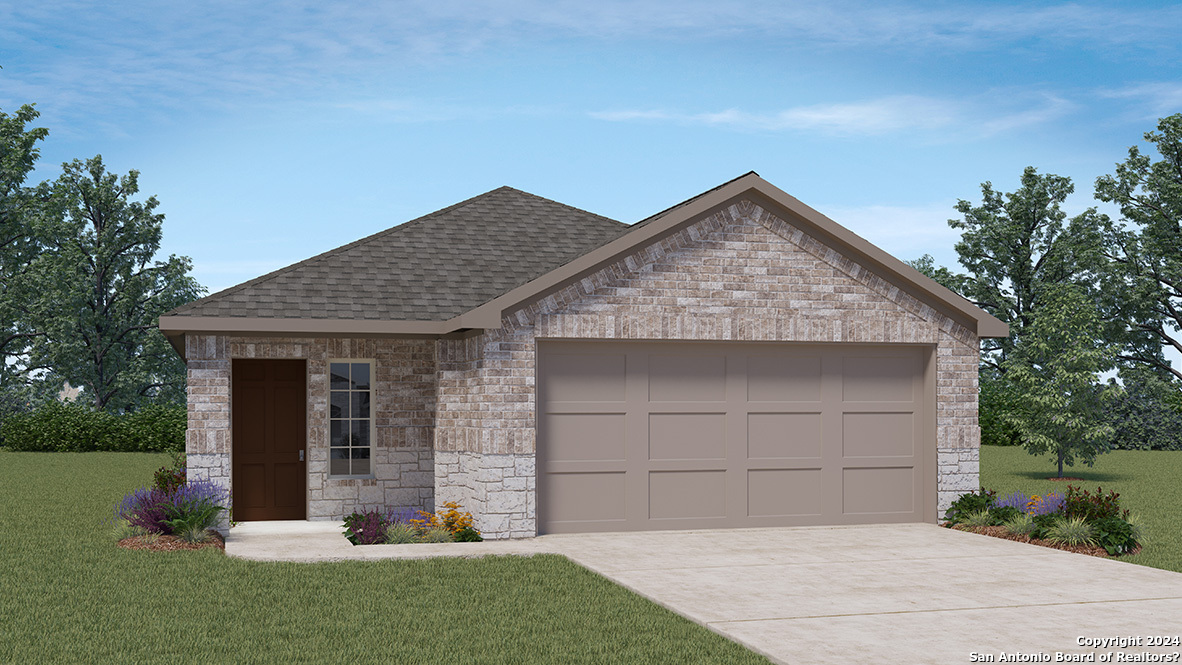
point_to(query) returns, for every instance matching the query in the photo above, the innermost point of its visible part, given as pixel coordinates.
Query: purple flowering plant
(193, 505)
(1051, 502)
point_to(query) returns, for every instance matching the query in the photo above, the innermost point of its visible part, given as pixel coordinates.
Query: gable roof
(429, 269)
(466, 266)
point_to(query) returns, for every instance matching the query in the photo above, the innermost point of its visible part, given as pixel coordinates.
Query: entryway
(268, 410)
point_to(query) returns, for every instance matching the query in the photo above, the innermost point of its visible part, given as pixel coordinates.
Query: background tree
(1018, 249)
(101, 290)
(1015, 246)
(1056, 372)
(1146, 252)
(18, 247)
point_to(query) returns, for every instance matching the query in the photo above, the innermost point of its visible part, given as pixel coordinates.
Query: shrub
(999, 515)
(468, 535)
(1043, 524)
(1021, 524)
(368, 528)
(1115, 535)
(436, 535)
(145, 508)
(979, 518)
(969, 503)
(1047, 504)
(1091, 507)
(195, 505)
(398, 533)
(1071, 531)
(169, 478)
(451, 520)
(76, 427)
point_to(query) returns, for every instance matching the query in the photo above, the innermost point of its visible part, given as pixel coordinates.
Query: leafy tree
(1055, 371)
(18, 206)
(1146, 253)
(1016, 247)
(1144, 413)
(943, 276)
(101, 291)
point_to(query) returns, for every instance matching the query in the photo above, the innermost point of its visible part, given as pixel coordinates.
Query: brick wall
(404, 412)
(742, 274)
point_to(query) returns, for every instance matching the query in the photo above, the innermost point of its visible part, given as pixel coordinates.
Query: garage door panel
(731, 434)
(585, 377)
(586, 436)
(784, 435)
(874, 378)
(783, 378)
(686, 378)
(873, 491)
(585, 497)
(784, 492)
(687, 494)
(878, 435)
(687, 436)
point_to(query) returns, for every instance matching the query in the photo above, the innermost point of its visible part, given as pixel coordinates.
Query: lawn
(70, 595)
(1149, 483)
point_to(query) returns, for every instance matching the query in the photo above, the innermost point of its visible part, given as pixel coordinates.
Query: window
(350, 419)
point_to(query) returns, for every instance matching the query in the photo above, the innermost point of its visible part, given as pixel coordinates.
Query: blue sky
(271, 132)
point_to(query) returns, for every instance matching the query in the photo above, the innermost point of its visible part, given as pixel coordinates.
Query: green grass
(70, 595)
(1149, 483)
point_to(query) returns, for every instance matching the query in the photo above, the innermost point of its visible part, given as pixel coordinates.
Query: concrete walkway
(913, 593)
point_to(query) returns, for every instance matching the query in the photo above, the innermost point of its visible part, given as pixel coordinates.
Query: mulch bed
(170, 543)
(1000, 532)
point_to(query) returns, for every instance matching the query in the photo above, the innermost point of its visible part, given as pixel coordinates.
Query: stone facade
(742, 274)
(456, 416)
(404, 413)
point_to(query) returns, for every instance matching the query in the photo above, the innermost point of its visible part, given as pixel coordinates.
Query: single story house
(738, 360)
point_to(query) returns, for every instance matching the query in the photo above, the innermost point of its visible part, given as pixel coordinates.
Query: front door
(270, 439)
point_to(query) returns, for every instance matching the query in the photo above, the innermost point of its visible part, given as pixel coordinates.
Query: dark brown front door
(270, 436)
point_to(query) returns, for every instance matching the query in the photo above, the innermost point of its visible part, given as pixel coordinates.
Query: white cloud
(1153, 99)
(82, 59)
(886, 115)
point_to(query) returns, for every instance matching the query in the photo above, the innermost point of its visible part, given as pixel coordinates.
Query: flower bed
(1076, 520)
(398, 527)
(174, 513)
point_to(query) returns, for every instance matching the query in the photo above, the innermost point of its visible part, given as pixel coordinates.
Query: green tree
(1014, 246)
(101, 290)
(1056, 371)
(1146, 251)
(943, 276)
(18, 207)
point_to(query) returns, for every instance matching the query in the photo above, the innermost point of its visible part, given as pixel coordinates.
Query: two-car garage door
(677, 435)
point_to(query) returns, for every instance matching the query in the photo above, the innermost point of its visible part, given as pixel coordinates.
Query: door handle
(301, 455)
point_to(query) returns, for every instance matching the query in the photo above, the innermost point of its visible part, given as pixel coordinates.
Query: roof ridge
(338, 250)
(560, 203)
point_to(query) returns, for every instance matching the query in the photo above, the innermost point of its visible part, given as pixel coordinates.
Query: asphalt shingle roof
(429, 269)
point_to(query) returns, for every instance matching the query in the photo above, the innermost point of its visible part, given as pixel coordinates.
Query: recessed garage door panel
(676, 435)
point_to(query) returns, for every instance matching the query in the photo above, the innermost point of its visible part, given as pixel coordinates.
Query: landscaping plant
(1075, 518)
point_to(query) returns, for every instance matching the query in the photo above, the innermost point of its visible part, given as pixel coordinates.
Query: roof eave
(753, 187)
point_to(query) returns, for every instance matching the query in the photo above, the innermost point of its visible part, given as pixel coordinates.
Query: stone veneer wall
(742, 274)
(404, 410)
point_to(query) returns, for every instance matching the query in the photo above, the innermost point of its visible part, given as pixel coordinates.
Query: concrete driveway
(913, 593)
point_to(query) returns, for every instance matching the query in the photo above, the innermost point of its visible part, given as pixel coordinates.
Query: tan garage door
(681, 435)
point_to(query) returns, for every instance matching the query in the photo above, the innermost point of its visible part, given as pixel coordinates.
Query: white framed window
(350, 417)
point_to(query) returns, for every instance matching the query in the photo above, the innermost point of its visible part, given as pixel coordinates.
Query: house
(738, 360)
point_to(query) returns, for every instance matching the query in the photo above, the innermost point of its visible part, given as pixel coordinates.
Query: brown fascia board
(490, 314)
(761, 192)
